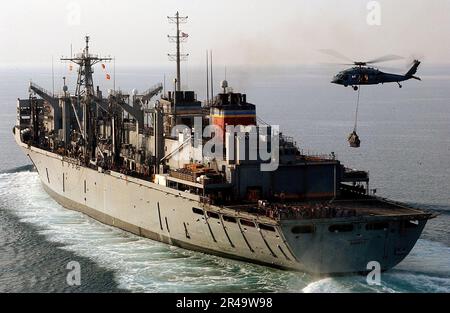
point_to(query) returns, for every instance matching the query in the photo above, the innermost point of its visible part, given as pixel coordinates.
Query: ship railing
(287, 139)
(355, 175)
(41, 89)
(152, 91)
(307, 213)
(81, 55)
(318, 156)
(205, 200)
(71, 160)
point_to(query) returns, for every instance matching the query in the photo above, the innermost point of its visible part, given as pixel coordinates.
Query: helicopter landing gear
(355, 88)
(399, 85)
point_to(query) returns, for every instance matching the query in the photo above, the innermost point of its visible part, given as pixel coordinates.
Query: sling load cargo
(353, 138)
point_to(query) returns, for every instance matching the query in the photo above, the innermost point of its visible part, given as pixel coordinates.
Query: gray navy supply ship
(118, 159)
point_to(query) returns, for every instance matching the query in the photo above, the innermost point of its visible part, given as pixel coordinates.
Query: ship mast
(178, 39)
(85, 93)
(85, 61)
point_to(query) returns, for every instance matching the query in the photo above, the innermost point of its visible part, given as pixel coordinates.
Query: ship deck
(379, 207)
(341, 208)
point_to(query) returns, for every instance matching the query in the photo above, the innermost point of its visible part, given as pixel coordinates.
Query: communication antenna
(114, 74)
(207, 78)
(212, 80)
(164, 86)
(53, 78)
(178, 38)
(186, 84)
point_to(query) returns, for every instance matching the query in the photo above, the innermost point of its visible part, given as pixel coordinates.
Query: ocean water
(405, 145)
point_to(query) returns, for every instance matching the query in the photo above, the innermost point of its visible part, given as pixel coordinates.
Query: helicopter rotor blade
(391, 69)
(335, 66)
(337, 55)
(410, 60)
(386, 58)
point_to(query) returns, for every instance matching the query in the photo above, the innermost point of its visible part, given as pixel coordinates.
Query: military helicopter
(363, 74)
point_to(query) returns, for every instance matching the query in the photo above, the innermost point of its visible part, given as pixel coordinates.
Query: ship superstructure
(164, 165)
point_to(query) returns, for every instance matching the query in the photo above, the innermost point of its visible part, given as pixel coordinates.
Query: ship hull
(181, 219)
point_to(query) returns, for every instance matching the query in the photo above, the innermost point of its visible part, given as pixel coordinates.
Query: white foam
(325, 285)
(140, 264)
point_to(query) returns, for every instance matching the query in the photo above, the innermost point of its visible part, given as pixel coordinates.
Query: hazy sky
(250, 32)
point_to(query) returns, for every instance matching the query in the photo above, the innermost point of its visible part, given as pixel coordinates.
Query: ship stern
(338, 246)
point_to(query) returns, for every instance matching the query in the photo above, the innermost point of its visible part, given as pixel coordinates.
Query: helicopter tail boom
(413, 70)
